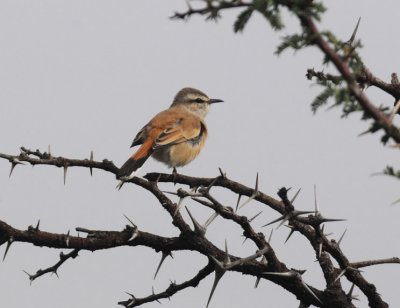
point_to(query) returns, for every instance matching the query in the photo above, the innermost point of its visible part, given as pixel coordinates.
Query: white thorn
(199, 229)
(255, 216)
(227, 258)
(67, 239)
(179, 205)
(249, 258)
(253, 196)
(120, 184)
(395, 110)
(128, 219)
(65, 173)
(315, 200)
(9, 242)
(164, 255)
(12, 169)
(290, 233)
(219, 272)
(310, 291)
(319, 250)
(237, 203)
(91, 159)
(134, 235)
(340, 275)
(270, 236)
(284, 274)
(15, 161)
(295, 196)
(265, 262)
(341, 238)
(353, 35)
(152, 290)
(210, 220)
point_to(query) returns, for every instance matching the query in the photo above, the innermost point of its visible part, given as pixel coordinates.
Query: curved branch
(195, 240)
(96, 240)
(366, 77)
(171, 290)
(53, 269)
(209, 9)
(344, 70)
(361, 264)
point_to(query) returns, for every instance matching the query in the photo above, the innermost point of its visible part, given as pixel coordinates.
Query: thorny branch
(364, 78)
(307, 13)
(171, 290)
(346, 73)
(355, 82)
(220, 261)
(53, 269)
(375, 262)
(210, 9)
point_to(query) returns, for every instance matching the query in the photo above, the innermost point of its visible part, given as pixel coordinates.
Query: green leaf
(295, 41)
(242, 20)
(274, 19)
(322, 99)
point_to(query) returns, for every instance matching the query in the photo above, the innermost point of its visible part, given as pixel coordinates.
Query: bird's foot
(123, 180)
(174, 175)
(120, 184)
(125, 177)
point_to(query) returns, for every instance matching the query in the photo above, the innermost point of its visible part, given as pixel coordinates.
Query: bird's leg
(125, 178)
(174, 174)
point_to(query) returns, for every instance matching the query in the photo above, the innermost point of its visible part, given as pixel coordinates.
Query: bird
(174, 136)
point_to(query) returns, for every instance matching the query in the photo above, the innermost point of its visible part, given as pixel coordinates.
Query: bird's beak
(215, 100)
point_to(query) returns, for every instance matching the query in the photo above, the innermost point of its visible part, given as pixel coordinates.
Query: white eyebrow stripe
(192, 96)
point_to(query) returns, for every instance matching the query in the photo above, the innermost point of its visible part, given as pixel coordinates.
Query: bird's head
(194, 100)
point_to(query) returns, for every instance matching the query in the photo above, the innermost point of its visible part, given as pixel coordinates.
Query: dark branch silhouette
(262, 264)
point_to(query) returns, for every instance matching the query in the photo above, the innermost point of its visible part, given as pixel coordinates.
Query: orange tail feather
(137, 159)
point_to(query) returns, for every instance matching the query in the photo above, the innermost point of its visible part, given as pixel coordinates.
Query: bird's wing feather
(140, 137)
(178, 132)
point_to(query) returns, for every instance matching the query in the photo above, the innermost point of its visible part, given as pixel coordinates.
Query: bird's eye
(198, 100)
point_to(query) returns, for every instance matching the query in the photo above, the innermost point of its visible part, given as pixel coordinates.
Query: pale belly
(180, 154)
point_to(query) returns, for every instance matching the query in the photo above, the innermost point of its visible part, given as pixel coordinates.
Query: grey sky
(87, 75)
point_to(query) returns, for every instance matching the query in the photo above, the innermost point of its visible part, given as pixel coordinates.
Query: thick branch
(105, 165)
(39, 158)
(190, 240)
(97, 240)
(220, 182)
(366, 77)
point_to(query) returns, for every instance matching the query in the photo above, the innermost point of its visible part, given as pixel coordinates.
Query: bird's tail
(136, 160)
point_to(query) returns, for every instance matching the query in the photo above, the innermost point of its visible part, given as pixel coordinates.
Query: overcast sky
(87, 75)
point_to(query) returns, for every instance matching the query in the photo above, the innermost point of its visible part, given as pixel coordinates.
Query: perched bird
(174, 136)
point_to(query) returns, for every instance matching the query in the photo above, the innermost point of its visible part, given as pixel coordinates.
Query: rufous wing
(167, 128)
